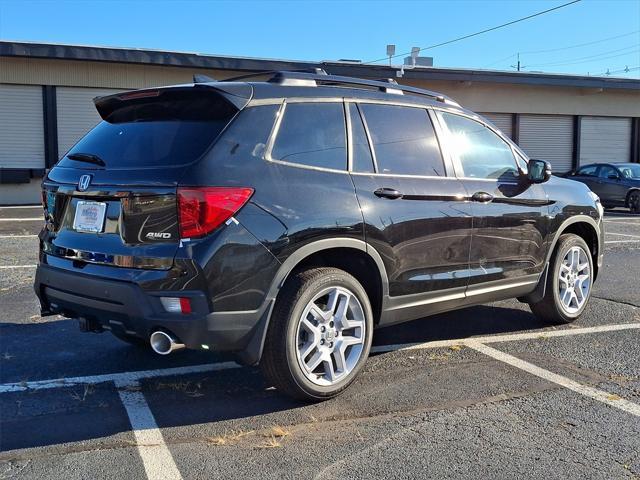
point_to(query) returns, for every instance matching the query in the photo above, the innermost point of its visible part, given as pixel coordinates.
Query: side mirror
(613, 176)
(539, 171)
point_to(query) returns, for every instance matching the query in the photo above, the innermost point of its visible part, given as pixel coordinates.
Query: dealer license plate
(89, 216)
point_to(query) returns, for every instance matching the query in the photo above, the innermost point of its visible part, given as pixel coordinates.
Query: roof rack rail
(388, 85)
(316, 71)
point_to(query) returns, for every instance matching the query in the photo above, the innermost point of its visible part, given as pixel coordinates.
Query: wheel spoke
(350, 340)
(307, 349)
(317, 313)
(342, 309)
(565, 296)
(314, 361)
(329, 371)
(341, 361)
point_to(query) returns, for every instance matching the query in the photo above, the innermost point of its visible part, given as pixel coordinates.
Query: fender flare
(253, 352)
(570, 221)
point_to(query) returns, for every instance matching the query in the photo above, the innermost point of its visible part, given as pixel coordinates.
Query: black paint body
(431, 250)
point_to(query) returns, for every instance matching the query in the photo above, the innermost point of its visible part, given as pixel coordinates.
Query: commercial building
(46, 94)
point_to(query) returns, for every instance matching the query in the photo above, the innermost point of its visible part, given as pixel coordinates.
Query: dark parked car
(617, 184)
(286, 219)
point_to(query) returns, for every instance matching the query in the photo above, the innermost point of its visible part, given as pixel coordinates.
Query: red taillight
(185, 305)
(203, 209)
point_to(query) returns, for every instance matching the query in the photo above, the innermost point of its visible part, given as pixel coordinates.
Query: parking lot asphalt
(488, 392)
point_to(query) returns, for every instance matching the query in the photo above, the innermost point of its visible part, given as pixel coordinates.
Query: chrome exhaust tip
(164, 343)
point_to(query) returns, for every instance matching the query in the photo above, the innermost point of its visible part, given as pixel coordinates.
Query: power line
(623, 70)
(480, 32)
(582, 44)
(595, 55)
(588, 58)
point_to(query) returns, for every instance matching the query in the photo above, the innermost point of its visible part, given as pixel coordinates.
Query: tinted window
(606, 171)
(403, 140)
(312, 134)
(482, 153)
(362, 159)
(172, 128)
(589, 171)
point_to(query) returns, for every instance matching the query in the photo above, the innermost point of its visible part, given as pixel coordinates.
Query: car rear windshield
(168, 129)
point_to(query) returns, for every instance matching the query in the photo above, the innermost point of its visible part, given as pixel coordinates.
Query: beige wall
(478, 96)
(77, 73)
(511, 98)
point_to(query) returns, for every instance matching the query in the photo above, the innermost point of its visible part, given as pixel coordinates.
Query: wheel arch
(352, 255)
(631, 190)
(586, 228)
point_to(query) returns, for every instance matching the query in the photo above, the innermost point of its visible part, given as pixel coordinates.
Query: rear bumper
(126, 308)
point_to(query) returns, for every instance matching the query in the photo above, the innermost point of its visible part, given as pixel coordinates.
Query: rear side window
(312, 134)
(172, 128)
(361, 154)
(589, 171)
(403, 140)
(481, 153)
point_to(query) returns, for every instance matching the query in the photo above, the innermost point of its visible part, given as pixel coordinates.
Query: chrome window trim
(274, 134)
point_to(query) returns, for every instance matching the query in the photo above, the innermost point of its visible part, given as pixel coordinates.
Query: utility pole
(517, 67)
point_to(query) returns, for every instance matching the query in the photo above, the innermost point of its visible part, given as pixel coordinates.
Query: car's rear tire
(634, 201)
(569, 282)
(319, 335)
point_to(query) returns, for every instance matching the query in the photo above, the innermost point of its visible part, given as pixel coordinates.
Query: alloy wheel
(574, 280)
(330, 336)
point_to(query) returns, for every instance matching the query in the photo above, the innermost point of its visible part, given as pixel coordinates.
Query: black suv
(286, 219)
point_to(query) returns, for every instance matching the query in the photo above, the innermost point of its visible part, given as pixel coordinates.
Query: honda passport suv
(285, 219)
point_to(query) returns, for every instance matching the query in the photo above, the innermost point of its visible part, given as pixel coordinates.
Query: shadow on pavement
(58, 349)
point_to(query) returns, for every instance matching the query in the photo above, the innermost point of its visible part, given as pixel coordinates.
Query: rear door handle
(391, 193)
(483, 197)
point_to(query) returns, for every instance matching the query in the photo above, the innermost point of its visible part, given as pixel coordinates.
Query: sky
(333, 29)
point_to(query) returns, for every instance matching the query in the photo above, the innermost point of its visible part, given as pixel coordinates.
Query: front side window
(589, 171)
(312, 134)
(480, 152)
(403, 140)
(608, 172)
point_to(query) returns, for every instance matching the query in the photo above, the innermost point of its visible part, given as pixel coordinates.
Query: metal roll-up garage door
(605, 139)
(504, 122)
(21, 126)
(76, 113)
(548, 137)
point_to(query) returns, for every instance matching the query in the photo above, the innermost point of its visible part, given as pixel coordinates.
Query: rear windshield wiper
(86, 157)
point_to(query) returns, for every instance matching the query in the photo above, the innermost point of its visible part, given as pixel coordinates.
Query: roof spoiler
(237, 94)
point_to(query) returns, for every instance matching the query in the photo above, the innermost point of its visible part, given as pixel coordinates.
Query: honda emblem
(84, 182)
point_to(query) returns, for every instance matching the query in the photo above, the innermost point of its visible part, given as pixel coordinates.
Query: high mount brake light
(203, 209)
(143, 94)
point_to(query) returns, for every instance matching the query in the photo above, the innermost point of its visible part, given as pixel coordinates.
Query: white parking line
(623, 235)
(514, 337)
(30, 219)
(621, 241)
(594, 393)
(156, 457)
(17, 236)
(123, 377)
(6, 267)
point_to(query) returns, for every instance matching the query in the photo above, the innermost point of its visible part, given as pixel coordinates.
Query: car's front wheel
(319, 335)
(634, 201)
(569, 282)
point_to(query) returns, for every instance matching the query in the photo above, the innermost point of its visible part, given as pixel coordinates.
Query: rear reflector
(176, 304)
(203, 209)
